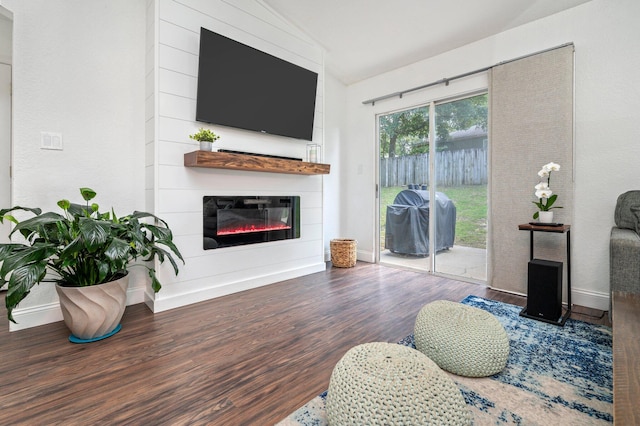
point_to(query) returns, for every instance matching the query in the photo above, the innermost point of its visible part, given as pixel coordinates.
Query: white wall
(607, 109)
(6, 35)
(175, 192)
(335, 141)
(117, 79)
(78, 70)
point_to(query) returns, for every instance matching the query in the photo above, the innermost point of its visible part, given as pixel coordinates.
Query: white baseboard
(35, 316)
(581, 297)
(366, 256)
(590, 299)
(45, 314)
(176, 301)
(51, 312)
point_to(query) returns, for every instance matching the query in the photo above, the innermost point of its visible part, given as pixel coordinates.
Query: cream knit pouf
(390, 384)
(461, 339)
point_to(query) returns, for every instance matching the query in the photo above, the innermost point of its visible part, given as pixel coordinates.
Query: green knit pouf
(461, 339)
(390, 384)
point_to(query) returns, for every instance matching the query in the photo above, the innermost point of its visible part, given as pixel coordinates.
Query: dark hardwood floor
(250, 358)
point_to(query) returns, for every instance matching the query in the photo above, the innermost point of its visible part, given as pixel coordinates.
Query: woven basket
(343, 252)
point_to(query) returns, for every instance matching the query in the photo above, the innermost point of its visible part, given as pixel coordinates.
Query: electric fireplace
(238, 220)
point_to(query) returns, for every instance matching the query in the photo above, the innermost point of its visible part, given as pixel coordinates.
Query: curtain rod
(456, 77)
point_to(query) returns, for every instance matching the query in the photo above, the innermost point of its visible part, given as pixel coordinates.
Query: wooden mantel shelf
(226, 160)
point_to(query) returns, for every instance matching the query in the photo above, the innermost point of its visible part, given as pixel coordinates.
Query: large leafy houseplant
(81, 247)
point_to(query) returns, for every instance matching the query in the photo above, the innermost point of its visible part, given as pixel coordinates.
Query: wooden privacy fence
(453, 168)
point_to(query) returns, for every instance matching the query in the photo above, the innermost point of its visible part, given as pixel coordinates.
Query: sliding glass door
(452, 172)
(404, 176)
(460, 188)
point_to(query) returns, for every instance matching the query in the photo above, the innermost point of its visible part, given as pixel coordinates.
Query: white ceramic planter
(94, 311)
(545, 217)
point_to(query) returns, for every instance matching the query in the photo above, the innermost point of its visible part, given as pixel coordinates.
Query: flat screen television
(242, 87)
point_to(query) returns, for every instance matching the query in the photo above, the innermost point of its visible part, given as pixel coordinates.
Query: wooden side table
(560, 229)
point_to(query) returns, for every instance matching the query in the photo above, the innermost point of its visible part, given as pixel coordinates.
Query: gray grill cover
(407, 228)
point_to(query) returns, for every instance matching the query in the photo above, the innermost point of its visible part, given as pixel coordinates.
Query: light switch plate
(51, 140)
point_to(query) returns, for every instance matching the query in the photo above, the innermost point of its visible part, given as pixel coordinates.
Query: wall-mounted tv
(242, 87)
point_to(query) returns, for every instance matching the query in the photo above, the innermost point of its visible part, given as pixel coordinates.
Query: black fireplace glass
(238, 220)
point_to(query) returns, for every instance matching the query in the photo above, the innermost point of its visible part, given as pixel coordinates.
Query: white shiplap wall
(175, 192)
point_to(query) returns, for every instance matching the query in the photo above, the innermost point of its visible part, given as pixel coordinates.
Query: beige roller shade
(531, 124)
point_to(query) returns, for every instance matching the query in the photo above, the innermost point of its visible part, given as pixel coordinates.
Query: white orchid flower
(542, 185)
(543, 193)
(551, 167)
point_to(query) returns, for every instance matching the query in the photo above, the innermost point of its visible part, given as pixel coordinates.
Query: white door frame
(6, 24)
(5, 145)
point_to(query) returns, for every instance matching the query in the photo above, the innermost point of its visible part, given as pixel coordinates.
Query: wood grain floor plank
(250, 358)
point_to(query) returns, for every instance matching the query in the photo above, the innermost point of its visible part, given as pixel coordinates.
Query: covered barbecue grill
(407, 228)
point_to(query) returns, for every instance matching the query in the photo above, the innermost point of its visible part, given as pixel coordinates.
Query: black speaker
(544, 292)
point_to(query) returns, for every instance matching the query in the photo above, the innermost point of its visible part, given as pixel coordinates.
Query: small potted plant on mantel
(206, 138)
(87, 254)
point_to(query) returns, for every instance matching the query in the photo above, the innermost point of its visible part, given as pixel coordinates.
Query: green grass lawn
(471, 212)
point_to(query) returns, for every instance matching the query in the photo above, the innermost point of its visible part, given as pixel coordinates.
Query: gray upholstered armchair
(624, 246)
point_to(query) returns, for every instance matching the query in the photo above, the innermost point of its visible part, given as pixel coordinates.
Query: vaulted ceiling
(363, 38)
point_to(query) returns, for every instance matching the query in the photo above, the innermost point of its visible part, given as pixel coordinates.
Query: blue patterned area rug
(554, 375)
